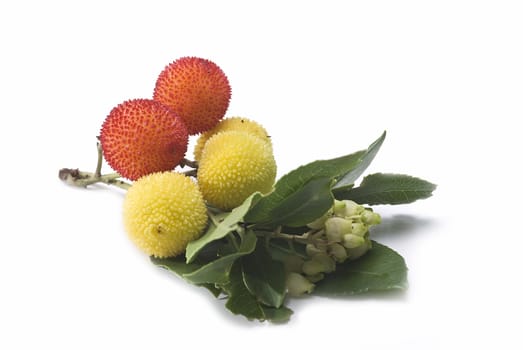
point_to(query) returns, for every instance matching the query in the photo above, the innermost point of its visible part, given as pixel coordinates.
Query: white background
(444, 78)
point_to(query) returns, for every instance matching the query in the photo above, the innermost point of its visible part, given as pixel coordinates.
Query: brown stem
(75, 177)
(189, 163)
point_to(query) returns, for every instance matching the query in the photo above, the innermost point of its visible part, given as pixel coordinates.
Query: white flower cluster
(340, 234)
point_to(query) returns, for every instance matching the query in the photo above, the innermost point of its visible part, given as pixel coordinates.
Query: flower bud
(358, 252)
(352, 241)
(312, 249)
(352, 208)
(370, 218)
(339, 208)
(338, 252)
(321, 244)
(359, 229)
(293, 263)
(319, 263)
(336, 227)
(329, 265)
(311, 267)
(315, 278)
(297, 284)
(320, 222)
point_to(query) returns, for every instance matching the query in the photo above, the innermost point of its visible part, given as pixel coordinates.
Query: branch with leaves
(271, 232)
(311, 234)
(225, 223)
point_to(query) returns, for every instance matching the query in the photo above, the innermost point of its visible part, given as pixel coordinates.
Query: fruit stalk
(75, 177)
(305, 238)
(78, 178)
(189, 163)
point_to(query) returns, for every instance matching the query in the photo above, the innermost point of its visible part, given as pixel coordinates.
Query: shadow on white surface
(400, 225)
(213, 307)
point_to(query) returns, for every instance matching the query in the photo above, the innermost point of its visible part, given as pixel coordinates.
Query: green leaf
(277, 315)
(310, 201)
(217, 271)
(280, 249)
(380, 269)
(229, 222)
(264, 277)
(288, 204)
(242, 302)
(361, 165)
(178, 266)
(388, 189)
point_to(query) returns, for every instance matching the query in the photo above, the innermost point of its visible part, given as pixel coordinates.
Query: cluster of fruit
(245, 236)
(144, 140)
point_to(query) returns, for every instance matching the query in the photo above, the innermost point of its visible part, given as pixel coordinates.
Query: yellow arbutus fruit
(233, 165)
(231, 124)
(163, 212)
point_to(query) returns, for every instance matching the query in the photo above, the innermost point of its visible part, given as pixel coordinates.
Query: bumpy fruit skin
(163, 212)
(142, 136)
(197, 90)
(234, 165)
(229, 124)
